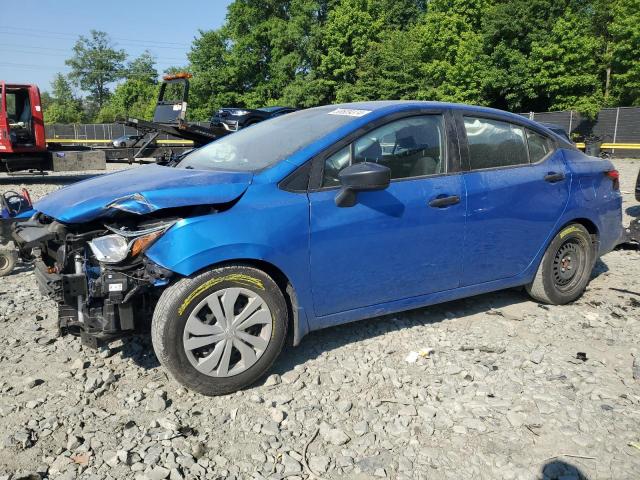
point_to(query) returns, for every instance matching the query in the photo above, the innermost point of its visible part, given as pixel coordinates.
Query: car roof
(403, 104)
(552, 125)
(385, 107)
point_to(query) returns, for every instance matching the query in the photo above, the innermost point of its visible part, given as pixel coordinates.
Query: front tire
(220, 331)
(565, 268)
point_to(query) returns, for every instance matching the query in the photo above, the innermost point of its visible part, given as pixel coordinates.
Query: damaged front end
(88, 241)
(96, 272)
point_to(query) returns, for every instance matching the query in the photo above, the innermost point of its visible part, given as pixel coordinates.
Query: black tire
(565, 268)
(179, 300)
(8, 260)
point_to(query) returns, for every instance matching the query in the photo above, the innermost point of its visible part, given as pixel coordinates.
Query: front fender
(187, 264)
(267, 224)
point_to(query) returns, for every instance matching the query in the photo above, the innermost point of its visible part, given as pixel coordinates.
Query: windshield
(268, 142)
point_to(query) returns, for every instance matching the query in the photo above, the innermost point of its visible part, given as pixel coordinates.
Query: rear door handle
(442, 202)
(553, 177)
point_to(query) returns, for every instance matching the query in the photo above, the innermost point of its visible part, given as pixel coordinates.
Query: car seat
(373, 153)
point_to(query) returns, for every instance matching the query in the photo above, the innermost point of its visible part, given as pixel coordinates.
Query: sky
(37, 36)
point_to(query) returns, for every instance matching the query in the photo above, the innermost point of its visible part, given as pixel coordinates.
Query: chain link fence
(617, 128)
(95, 133)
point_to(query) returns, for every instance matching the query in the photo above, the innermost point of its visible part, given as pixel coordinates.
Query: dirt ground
(499, 387)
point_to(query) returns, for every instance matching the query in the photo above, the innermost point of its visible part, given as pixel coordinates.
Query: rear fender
(594, 198)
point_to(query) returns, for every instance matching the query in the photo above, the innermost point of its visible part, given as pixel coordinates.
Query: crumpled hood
(160, 187)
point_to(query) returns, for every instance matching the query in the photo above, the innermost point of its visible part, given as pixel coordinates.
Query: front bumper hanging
(107, 319)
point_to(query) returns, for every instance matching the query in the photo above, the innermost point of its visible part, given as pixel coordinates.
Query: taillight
(614, 175)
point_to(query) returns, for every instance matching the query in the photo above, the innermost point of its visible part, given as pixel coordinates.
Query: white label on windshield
(349, 112)
(177, 107)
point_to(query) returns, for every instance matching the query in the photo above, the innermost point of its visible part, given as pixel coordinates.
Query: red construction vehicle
(22, 138)
(23, 145)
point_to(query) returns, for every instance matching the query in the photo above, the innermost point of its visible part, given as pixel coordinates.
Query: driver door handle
(553, 177)
(442, 202)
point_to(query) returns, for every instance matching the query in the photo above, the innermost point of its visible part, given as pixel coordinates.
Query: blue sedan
(318, 218)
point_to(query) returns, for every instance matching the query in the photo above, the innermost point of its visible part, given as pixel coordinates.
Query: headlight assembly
(140, 244)
(110, 248)
(118, 246)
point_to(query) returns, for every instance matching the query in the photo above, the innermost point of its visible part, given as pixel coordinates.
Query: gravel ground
(495, 388)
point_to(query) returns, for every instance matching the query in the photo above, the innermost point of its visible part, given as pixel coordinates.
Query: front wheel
(565, 268)
(220, 331)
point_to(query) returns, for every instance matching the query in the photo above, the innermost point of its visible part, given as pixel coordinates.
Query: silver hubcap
(227, 332)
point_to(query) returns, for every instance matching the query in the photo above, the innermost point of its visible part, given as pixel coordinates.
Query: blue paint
(389, 252)
(390, 245)
(511, 212)
(26, 214)
(162, 187)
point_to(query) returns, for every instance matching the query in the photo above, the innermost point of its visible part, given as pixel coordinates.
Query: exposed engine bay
(96, 272)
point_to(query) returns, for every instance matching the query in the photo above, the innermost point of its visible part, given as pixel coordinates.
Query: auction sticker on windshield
(349, 112)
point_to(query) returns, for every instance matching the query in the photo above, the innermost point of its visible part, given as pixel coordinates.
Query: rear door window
(539, 146)
(493, 143)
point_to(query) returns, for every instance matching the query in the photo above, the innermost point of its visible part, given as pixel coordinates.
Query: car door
(517, 188)
(391, 244)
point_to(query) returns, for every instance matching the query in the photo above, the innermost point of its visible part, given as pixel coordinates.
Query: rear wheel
(220, 331)
(566, 267)
(7, 261)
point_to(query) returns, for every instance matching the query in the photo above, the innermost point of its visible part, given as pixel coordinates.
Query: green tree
(622, 70)
(471, 11)
(45, 100)
(143, 68)
(390, 69)
(134, 98)
(509, 29)
(518, 55)
(439, 58)
(272, 43)
(565, 73)
(350, 30)
(214, 83)
(453, 65)
(63, 106)
(96, 64)
(266, 50)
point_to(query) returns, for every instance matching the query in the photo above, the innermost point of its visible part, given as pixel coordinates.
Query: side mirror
(361, 177)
